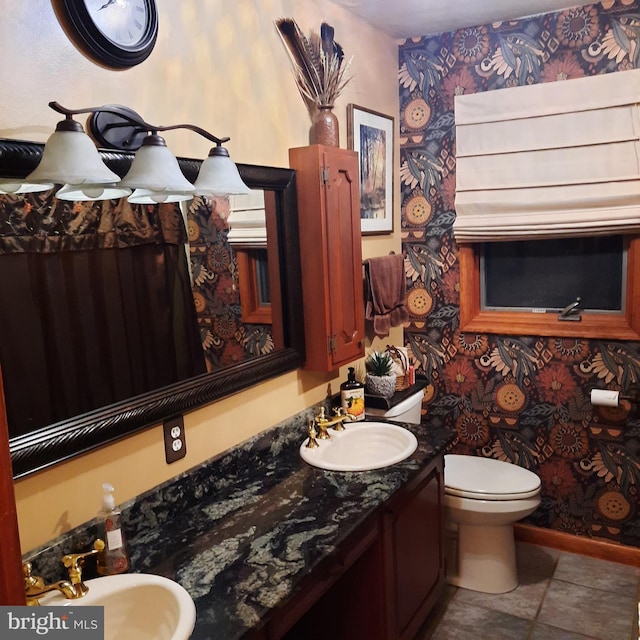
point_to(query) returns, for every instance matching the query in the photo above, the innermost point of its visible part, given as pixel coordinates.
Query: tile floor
(561, 596)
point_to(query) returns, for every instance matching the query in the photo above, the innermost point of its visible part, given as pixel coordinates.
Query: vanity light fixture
(70, 157)
(16, 186)
(147, 196)
(81, 192)
(218, 175)
(155, 170)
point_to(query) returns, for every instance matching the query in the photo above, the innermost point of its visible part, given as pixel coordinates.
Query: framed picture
(371, 134)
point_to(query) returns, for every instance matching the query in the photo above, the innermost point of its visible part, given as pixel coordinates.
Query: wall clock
(116, 33)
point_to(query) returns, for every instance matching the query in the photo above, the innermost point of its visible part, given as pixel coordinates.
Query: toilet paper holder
(610, 398)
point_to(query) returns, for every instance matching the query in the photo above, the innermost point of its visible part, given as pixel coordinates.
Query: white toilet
(408, 410)
(483, 498)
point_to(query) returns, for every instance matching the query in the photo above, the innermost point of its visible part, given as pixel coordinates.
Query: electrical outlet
(175, 445)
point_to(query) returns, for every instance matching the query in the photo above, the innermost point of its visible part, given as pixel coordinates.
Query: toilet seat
(479, 478)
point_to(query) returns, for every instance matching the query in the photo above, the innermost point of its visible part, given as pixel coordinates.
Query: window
(251, 221)
(556, 165)
(554, 273)
(505, 289)
(253, 276)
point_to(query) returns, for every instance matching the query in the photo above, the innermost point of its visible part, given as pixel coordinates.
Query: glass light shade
(81, 193)
(147, 196)
(219, 175)
(155, 168)
(16, 186)
(71, 157)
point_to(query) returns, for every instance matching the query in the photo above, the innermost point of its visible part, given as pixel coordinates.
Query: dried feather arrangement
(319, 65)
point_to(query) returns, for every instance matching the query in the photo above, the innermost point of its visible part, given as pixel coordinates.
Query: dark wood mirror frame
(66, 439)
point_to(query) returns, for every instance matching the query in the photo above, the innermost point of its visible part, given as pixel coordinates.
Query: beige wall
(220, 65)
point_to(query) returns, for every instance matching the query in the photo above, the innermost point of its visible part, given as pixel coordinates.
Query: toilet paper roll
(605, 398)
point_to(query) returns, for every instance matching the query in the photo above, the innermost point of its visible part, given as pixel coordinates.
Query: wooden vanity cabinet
(413, 532)
(344, 598)
(382, 582)
(327, 180)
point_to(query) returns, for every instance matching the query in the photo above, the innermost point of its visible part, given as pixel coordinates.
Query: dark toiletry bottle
(352, 395)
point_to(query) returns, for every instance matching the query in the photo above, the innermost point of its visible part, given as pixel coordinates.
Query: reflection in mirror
(231, 278)
(106, 327)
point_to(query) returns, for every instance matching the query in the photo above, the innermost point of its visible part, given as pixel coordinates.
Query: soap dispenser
(352, 395)
(114, 558)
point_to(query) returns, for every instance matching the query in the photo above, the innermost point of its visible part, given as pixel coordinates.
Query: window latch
(571, 311)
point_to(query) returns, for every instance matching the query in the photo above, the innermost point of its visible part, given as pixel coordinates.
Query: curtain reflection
(95, 305)
(38, 222)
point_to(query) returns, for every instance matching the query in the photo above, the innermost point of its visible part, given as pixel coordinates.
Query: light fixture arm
(137, 121)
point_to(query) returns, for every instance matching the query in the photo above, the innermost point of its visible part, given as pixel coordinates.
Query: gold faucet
(74, 561)
(340, 415)
(72, 589)
(312, 443)
(34, 587)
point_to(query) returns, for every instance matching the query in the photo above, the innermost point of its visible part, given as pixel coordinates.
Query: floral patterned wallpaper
(521, 399)
(226, 340)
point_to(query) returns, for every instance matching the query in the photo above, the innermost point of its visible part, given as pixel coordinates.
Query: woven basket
(402, 382)
(401, 367)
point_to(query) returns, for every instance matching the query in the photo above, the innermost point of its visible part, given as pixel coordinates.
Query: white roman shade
(247, 222)
(549, 160)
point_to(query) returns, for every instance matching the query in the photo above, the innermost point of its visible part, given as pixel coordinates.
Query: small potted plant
(380, 380)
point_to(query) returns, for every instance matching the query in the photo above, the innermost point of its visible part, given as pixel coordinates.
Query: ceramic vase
(324, 127)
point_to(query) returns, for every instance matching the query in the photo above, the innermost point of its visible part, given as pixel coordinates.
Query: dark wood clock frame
(79, 27)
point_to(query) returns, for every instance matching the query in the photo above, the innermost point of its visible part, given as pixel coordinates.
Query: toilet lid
(489, 479)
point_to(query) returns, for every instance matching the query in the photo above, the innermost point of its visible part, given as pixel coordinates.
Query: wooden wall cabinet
(327, 180)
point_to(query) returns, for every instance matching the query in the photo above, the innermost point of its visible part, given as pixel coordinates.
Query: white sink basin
(137, 606)
(362, 446)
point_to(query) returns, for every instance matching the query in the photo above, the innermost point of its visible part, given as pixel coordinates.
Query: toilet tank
(409, 410)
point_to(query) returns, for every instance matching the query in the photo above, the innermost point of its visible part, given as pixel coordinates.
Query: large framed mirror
(47, 444)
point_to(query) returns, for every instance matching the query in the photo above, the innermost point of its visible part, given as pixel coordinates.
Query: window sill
(595, 326)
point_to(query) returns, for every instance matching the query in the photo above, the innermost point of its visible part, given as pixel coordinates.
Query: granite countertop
(239, 532)
(243, 548)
